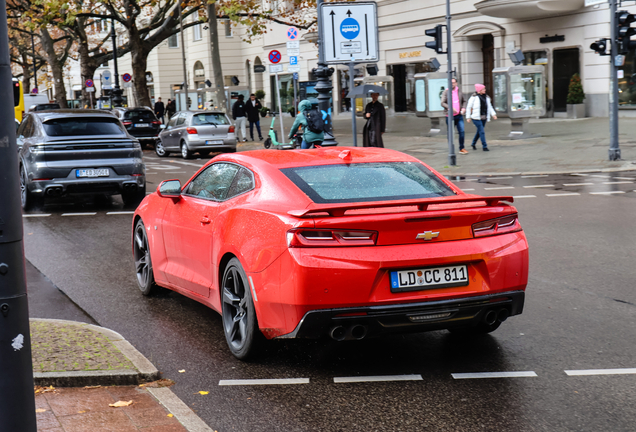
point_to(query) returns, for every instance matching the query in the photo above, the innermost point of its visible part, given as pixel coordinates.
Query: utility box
(429, 88)
(520, 93)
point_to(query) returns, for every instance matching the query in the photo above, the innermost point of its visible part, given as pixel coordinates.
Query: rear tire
(240, 325)
(160, 150)
(185, 152)
(28, 200)
(143, 262)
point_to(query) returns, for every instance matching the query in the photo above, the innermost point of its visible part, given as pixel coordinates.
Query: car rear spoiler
(337, 210)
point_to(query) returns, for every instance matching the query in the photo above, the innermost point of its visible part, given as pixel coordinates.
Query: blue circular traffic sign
(274, 56)
(350, 28)
(126, 77)
(292, 33)
(89, 83)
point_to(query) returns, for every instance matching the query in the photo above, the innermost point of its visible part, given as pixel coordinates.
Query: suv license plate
(92, 172)
(431, 277)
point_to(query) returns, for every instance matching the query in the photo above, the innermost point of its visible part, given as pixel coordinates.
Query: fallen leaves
(182, 371)
(170, 415)
(204, 392)
(40, 410)
(40, 389)
(158, 383)
(120, 404)
(92, 387)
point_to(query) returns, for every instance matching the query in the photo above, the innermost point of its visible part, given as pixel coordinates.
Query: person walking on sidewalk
(254, 116)
(239, 115)
(459, 108)
(376, 123)
(480, 111)
(312, 123)
(160, 110)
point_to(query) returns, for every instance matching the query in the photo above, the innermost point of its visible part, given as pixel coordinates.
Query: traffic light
(600, 46)
(437, 34)
(624, 32)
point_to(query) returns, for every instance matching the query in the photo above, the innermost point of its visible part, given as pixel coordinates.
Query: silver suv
(196, 131)
(66, 152)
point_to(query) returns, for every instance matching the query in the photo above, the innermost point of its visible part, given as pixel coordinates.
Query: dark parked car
(196, 131)
(141, 123)
(67, 152)
(44, 106)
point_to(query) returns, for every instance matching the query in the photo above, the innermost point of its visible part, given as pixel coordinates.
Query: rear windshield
(209, 119)
(43, 107)
(77, 126)
(385, 181)
(139, 115)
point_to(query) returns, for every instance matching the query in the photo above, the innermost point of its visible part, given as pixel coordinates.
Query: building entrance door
(488, 53)
(565, 63)
(399, 83)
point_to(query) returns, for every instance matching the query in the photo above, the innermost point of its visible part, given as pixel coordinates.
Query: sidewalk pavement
(89, 378)
(565, 146)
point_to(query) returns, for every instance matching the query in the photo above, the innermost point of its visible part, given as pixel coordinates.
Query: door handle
(205, 220)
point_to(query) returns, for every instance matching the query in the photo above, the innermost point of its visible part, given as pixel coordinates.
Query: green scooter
(272, 139)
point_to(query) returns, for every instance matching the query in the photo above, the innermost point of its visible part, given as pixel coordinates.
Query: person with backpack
(376, 123)
(312, 123)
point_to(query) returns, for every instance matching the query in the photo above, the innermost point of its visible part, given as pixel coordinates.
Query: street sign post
(106, 80)
(292, 33)
(126, 77)
(90, 89)
(350, 32)
(275, 57)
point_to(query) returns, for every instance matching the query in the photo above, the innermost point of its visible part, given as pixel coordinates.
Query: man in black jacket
(253, 109)
(160, 110)
(239, 114)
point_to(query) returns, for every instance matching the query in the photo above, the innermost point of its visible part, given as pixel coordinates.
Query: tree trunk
(139, 58)
(26, 73)
(56, 67)
(215, 53)
(87, 68)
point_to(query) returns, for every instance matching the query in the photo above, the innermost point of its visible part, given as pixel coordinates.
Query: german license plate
(431, 277)
(142, 125)
(214, 142)
(92, 172)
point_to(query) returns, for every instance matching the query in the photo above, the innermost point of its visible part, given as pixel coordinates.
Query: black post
(17, 401)
(35, 70)
(323, 74)
(614, 150)
(116, 91)
(450, 119)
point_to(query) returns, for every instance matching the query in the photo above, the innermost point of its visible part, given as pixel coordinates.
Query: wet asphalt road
(580, 314)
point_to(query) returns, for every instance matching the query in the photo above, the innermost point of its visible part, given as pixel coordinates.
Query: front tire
(239, 317)
(160, 150)
(143, 262)
(185, 152)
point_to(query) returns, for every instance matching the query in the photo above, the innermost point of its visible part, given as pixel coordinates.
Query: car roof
(322, 156)
(65, 113)
(201, 112)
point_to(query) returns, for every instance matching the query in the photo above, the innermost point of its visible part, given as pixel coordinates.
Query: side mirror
(163, 126)
(169, 189)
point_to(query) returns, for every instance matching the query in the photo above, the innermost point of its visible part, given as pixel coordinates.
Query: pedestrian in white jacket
(479, 110)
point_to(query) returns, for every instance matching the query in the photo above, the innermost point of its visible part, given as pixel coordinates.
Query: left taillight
(192, 131)
(502, 225)
(231, 129)
(156, 122)
(303, 237)
(126, 123)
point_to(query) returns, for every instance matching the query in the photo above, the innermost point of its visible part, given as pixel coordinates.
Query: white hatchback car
(201, 132)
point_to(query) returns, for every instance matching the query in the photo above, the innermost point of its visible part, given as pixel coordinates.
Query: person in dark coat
(376, 123)
(239, 114)
(253, 108)
(160, 110)
(171, 108)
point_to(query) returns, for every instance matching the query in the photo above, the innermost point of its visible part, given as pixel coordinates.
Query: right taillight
(502, 225)
(304, 237)
(231, 130)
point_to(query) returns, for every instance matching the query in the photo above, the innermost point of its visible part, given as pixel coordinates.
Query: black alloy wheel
(160, 150)
(143, 262)
(239, 317)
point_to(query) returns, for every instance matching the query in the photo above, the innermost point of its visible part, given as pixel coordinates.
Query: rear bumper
(196, 144)
(70, 186)
(407, 318)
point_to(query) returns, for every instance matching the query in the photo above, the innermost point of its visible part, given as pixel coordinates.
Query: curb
(146, 371)
(180, 410)
(584, 171)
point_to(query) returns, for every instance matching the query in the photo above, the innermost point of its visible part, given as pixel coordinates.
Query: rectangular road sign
(293, 44)
(293, 52)
(293, 60)
(293, 68)
(350, 31)
(275, 68)
(90, 89)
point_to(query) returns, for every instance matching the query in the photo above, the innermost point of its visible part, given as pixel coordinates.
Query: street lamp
(116, 91)
(323, 87)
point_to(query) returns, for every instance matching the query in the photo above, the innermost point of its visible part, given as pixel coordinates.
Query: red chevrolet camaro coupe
(341, 242)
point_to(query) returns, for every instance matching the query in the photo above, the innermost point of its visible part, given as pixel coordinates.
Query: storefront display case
(519, 91)
(386, 100)
(428, 94)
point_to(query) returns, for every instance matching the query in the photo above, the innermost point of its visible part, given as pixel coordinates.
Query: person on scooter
(311, 122)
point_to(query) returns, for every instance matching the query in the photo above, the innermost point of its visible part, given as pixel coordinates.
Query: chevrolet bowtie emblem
(427, 235)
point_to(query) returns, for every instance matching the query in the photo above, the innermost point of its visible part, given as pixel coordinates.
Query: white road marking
(500, 187)
(601, 176)
(465, 180)
(499, 178)
(79, 214)
(582, 175)
(578, 184)
(563, 194)
(120, 213)
(187, 163)
(624, 178)
(380, 378)
(277, 381)
(36, 215)
(468, 190)
(524, 196)
(538, 186)
(582, 372)
(534, 176)
(617, 182)
(606, 193)
(479, 375)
